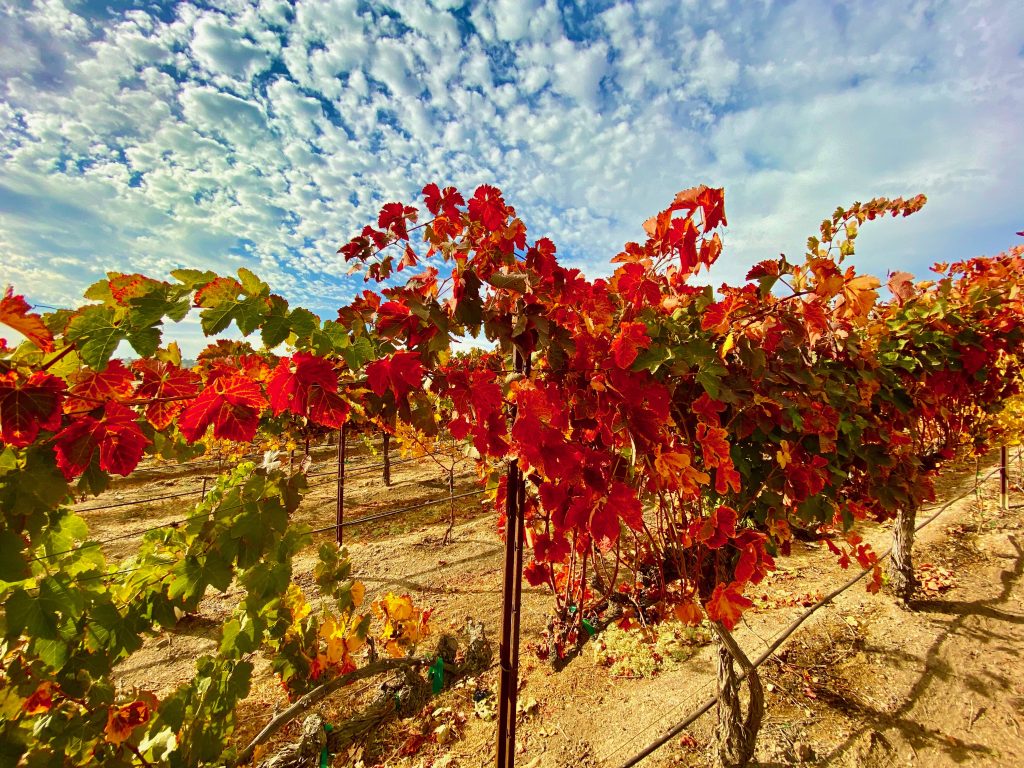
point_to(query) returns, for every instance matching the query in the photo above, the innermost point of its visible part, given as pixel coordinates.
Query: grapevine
(671, 438)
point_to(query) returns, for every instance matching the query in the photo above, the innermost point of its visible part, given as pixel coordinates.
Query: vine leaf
(93, 388)
(727, 604)
(401, 373)
(631, 338)
(488, 207)
(307, 385)
(232, 403)
(14, 313)
(122, 720)
(29, 405)
(116, 435)
(40, 701)
(447, 200)
(162, 383)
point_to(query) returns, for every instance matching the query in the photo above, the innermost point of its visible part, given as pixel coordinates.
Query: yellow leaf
(728, 344)
(358, 593)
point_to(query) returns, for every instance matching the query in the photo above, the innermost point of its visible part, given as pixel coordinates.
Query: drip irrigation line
(787, 632)
(182, 521)
(330, 472)
(400, 511)
(139, 501)
(96, 576)
(143, 532)
(362, 467)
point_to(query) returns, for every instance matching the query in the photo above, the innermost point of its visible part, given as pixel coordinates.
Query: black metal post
(511, 601)
(1004, 480)
(340, 517)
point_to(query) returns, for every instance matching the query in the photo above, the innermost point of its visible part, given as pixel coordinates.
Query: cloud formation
(265, 135)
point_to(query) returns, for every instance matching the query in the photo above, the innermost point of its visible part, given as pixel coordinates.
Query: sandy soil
(863, 683)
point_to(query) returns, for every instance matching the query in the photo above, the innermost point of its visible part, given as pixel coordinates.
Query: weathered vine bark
(737, 734)
(404, 694)
(387, 459)
(901, 567)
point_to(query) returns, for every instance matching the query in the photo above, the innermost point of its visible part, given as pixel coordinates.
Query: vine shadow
(877, 720)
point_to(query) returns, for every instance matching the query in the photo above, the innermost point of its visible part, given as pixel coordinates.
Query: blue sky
(144, 137)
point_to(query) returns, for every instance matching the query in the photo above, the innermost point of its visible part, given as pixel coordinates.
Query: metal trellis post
(1004, 480)
(511, 602)
(340, 517)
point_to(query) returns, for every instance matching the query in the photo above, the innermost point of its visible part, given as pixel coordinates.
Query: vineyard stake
(511, 599)
(387, 459)
(1004, 480)
(340, 517)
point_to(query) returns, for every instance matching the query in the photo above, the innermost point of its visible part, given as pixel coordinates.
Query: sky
(144, 137)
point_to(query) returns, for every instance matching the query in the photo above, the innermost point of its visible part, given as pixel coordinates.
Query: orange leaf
(714, 445)
(727, 604)
(676, 472)
(40, 701)
(632, 337)
(689, 613)
(121, 721)
(859, 296)
(14, 312)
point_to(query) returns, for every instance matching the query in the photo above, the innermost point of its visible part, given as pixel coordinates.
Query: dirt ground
(862, 683)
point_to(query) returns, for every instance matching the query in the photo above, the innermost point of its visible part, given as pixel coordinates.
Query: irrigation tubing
(786, 633)
(318, 530)
(182, 521)
(151, 499)
(403, 510)
(136, 502)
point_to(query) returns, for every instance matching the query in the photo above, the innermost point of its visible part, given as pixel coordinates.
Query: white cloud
(222, 50)
(261, 135)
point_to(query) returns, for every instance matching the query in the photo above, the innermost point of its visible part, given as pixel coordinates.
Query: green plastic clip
(590, 628)
(435, 674)
(323, 752)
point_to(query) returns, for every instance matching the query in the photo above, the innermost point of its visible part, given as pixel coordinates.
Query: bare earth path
(863, 683)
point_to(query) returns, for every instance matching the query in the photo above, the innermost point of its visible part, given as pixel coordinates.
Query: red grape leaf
(859, 295)
(28, 405)
(711, 201)
(631, 338)
(401, 373)
(632, 283)
(675, 472)
(726, 477)
(160, 381)
(714, 445)
(122, 720)
(901, 285)
(727, 604)
(448, 200)
(707, 409)
(717, 316)
(40, 701)
(14, 312)
(815, 320)
(93, 388)
(488, 207)
(689, 613)
(624, 502)
(715, 531)
(232, 403)
(393, 217)
(535, 574)
(116, 435)
(307, 385)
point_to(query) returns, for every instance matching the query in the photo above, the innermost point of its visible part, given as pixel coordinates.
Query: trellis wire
(780, 638)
